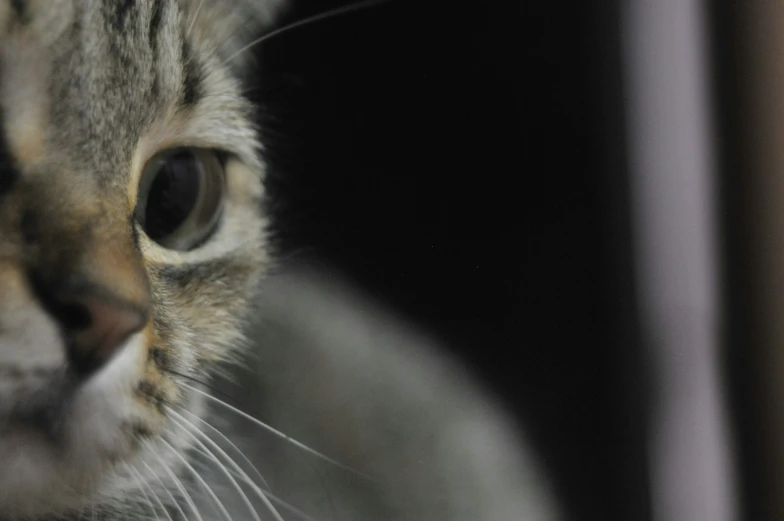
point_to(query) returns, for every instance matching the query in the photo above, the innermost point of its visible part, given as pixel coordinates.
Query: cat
(133, 251)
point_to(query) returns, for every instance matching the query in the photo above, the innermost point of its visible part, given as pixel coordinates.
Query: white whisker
(143, 485)
(280, 434)
(227, 440)
(288, 506)
(166, 489)
(272, 497)
(141, 489)
(194, 19)
(177, 418)
(180, 486)
(366, 4)
(201, 481)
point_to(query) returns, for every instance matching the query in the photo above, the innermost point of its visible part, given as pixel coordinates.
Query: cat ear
(230, 25)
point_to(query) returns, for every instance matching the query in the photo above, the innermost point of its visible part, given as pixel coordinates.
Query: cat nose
(95, 328)
(95, 325)
(84, 266)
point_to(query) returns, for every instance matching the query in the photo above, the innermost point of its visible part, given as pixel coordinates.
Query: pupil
(173, 195)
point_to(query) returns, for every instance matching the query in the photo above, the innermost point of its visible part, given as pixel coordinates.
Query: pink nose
(98, 328)
(95, 324)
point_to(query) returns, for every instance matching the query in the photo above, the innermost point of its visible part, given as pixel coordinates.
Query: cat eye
(180, 198)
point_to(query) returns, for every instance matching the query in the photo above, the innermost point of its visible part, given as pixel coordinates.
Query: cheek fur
(201, 308)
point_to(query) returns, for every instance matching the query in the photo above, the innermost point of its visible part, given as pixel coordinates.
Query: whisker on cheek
(230, 443)
(210, 492)
(194, 433)
(174, 502)
(178, 483)
(289, 439)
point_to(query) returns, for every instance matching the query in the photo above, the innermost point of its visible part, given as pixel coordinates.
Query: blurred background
(585, 201)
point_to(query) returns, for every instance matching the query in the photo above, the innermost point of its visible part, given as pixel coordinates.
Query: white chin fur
(40, 476)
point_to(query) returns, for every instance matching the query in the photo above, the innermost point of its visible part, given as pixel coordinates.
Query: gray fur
(340, 372)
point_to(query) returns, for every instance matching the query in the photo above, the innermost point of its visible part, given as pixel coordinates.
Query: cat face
(131, 235)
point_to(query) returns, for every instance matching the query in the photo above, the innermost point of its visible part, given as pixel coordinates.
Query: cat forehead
(228, 23)
(98, 85)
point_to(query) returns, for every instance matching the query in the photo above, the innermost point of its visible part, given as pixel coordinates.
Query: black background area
(464, 163)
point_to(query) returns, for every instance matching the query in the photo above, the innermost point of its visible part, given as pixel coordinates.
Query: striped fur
(89, 92)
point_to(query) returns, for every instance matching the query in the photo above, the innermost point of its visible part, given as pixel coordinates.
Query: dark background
(464, 163)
